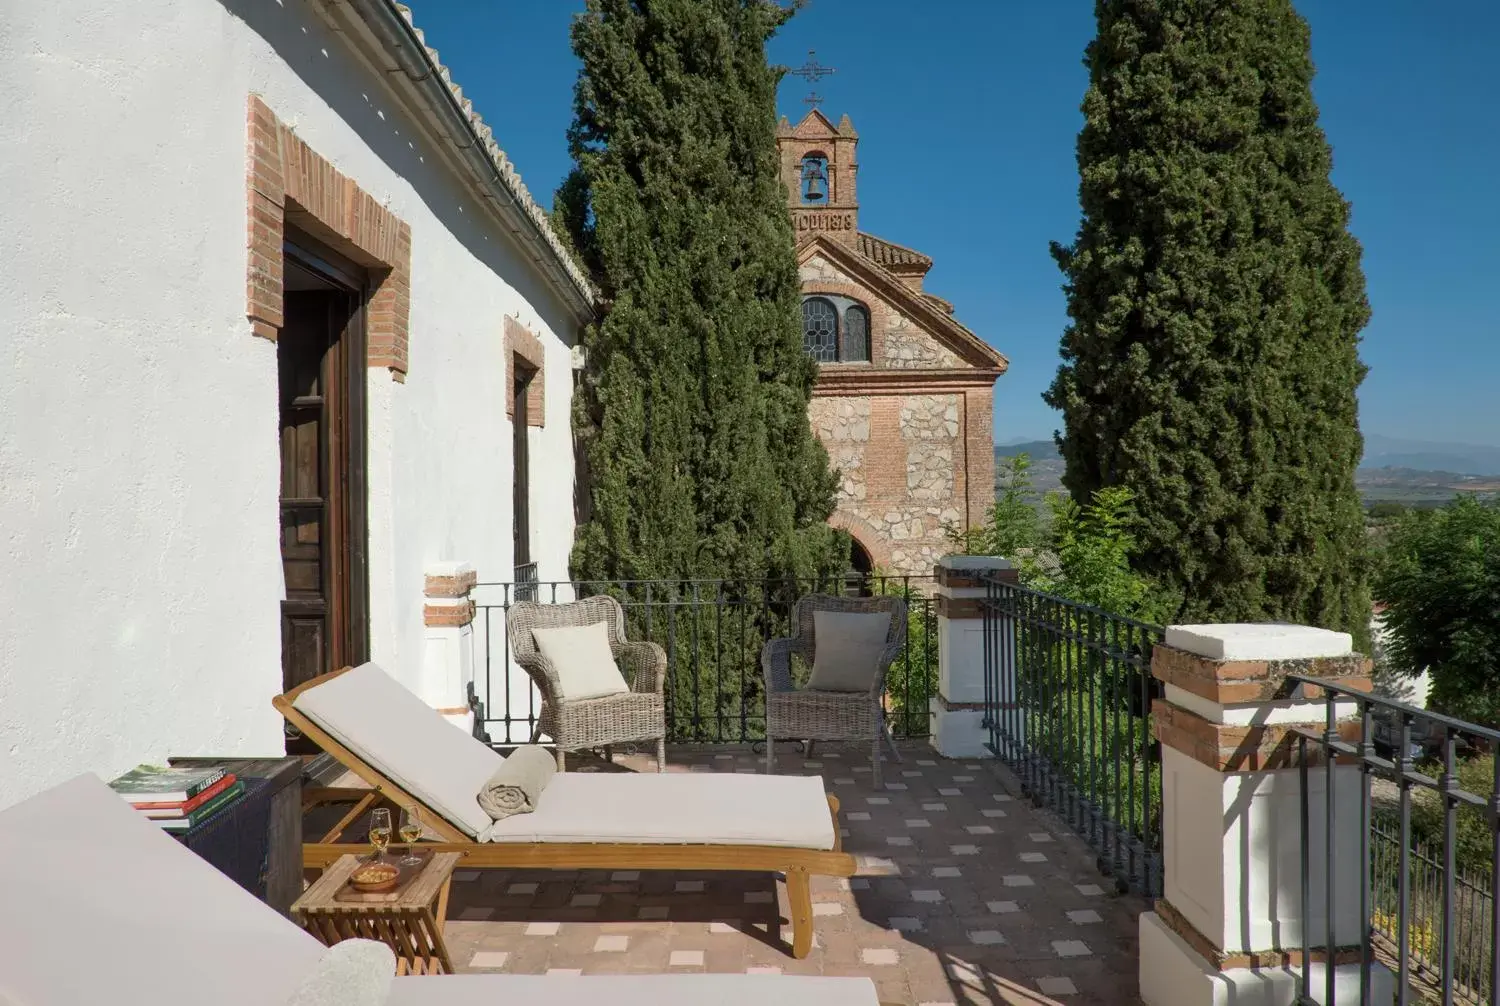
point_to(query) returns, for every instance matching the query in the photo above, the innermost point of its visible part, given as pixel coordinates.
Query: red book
(183, 807)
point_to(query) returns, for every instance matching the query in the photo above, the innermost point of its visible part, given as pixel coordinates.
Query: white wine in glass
(411, 834)
(380, 830)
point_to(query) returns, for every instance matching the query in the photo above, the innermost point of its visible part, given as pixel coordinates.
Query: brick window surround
(289, 183)
(521, 345)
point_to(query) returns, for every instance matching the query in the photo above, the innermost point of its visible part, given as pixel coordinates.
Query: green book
(156, 784)
(209, 809)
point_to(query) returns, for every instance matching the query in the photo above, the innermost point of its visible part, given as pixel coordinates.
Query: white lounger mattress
(410, 743)
(779, 810)
(99, 895)
(631, 990)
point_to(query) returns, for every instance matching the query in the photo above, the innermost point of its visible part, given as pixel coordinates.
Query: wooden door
(521, 492)
(320, 361)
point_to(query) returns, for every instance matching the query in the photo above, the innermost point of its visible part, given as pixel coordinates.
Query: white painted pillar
(448, 644)
(957, 710)
(1228, 931)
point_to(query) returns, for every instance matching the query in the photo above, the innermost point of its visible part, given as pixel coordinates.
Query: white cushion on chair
(847, 648)
(405, 740)
(583, 660)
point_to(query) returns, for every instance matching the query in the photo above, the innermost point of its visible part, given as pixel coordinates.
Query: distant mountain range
(1380, 452)
(1415, 472)
(1428, 456)
(1039, 450)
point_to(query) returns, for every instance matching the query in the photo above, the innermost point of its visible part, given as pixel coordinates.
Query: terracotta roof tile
(889, 254)
(508, 173)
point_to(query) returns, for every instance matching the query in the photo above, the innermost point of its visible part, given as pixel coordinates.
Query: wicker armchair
(804, 714)
(574, 725)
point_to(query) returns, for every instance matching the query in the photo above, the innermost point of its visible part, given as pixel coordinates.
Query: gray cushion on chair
(102, 907)
(407, 741)
(847, 650)
(708, 809)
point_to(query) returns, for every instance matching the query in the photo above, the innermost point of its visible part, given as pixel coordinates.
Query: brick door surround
(289, 182)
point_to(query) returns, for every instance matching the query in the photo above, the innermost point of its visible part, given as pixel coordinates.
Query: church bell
(814, 182)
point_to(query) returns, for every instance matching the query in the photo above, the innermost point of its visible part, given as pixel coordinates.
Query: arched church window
(856, 342)
(814, 180)
(820, 329)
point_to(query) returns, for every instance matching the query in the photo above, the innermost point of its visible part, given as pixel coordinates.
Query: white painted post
(957, 710)
(1229, 929)
(448, 647)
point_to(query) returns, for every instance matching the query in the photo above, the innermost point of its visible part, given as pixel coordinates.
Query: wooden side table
(412, 925)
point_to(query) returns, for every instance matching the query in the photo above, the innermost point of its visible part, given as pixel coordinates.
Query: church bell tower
(818, 167)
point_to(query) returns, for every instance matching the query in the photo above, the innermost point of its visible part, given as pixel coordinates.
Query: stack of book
(176, 799)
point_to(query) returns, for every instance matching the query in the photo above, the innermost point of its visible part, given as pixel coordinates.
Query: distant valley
(1412, 472)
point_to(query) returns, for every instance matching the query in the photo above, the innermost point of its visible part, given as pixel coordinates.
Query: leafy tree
(1081, 552)
(692, 416)
(1386, 510)
(1440, 580)
(1216, 298)
(1012, 526)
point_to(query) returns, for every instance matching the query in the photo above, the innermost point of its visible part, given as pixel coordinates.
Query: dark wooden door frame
(348, 523)
(521, 464)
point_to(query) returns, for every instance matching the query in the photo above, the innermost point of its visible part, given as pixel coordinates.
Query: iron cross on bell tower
(812, 71)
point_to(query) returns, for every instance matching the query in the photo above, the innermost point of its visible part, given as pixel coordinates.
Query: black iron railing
(713, 632)
(527, 583)
(1438, 923)
(1473, 910)
(1068, 694)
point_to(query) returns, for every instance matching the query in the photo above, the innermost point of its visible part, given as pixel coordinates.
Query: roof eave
(980, 353)
(451, 122)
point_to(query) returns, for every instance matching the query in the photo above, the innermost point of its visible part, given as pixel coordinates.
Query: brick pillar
(448, 648)
(1228, 930)
(957, 710)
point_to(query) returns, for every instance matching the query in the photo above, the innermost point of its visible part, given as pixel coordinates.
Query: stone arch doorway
(861, 570)
(860, 561)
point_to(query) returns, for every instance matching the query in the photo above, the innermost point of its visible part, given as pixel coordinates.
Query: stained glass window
(820, 325)
(856, 347)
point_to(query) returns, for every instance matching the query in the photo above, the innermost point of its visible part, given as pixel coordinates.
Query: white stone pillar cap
(1259, 641)
(447, 569)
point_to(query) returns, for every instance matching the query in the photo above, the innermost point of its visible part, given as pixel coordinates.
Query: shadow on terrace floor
(964, 895)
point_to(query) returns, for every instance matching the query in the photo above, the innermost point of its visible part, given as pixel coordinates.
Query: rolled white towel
(516, 787)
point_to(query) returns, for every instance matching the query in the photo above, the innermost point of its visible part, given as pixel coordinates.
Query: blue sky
(967, 112)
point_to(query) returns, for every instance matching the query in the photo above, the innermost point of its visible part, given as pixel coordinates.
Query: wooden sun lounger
(798, 865)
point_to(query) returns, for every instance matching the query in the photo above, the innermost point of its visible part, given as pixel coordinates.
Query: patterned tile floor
(964, 895)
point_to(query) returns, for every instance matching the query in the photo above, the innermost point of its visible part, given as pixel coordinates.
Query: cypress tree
(700, 461)
(1216, 299)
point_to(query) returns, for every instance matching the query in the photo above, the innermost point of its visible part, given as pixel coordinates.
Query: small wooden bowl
(375, 878)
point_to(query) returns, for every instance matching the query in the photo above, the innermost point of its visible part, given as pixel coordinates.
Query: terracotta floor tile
(962, 911)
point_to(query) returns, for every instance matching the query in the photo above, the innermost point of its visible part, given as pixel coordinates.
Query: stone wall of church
(843, 424)
(899, 459)
(908, 347)
(896, 341)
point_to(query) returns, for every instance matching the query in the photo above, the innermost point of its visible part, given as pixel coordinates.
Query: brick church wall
(899, 461)
(902, 458)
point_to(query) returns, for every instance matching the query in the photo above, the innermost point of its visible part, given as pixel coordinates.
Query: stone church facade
(904, 400)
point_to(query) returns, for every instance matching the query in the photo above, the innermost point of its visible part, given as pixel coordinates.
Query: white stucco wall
(140, 570)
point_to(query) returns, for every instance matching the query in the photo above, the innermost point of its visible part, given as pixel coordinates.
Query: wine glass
(380, 830)
(411, 833)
